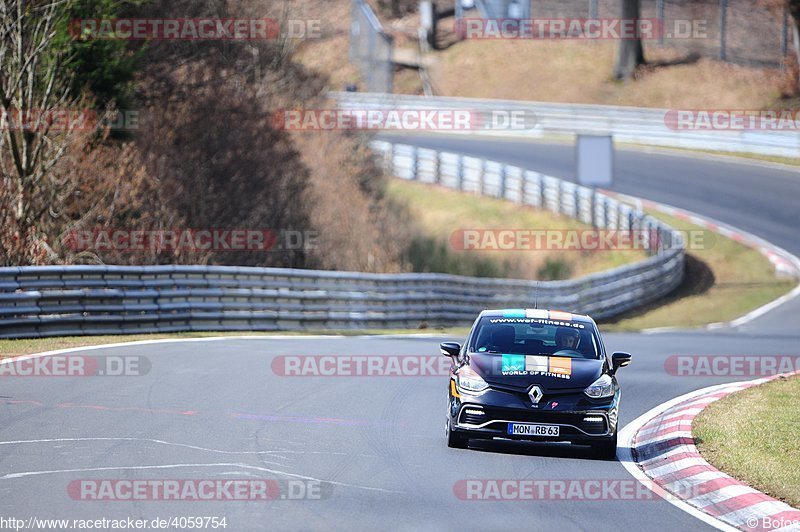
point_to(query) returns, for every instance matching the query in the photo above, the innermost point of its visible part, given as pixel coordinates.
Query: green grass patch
(724, 280)
(789, 161)
(754, 436)
(439, 212)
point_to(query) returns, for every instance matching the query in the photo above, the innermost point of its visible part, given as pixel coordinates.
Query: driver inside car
(567, 338)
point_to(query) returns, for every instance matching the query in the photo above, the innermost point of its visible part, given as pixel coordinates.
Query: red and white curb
(661, 447)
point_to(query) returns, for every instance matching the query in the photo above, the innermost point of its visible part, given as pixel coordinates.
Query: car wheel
(454, 439)
(606, 450)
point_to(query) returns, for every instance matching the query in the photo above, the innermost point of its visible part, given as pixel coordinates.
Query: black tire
(606, 450)
(455, 440)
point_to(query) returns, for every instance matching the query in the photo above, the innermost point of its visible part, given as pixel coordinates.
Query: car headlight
(602, 387)
(468, 381)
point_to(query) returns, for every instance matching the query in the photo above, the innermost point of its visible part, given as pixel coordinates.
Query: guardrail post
(503, 181)
(460, 172)
(482, 178)
(523, 187)
(650, 238)
(415, 163)
(623, 220)
(542, 188)
(437, 170)
(391, 159)
(660, 19)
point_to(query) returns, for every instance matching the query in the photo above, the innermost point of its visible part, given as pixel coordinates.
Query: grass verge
(581, 72)
(789, 161)
(440, 213)
(724, 280)
(754, 436)
(756, 157)
(10, 348)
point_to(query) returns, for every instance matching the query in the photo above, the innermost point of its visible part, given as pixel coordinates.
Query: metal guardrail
(625, 124)
(43, 301)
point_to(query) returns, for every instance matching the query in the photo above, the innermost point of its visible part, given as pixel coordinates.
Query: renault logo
(535, 394)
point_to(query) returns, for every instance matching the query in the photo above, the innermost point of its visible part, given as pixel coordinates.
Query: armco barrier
(625, 124)
(44, 301)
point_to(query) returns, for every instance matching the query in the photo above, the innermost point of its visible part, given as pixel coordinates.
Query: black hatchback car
(532, 374)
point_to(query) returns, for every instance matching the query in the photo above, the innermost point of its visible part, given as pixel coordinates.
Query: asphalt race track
(217, 410)
(379, 439)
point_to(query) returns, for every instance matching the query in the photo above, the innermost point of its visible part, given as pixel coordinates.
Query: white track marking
(11, 476)
(186, 445)
(760, 311)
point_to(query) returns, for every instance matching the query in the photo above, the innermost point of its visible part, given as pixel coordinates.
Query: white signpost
(594, 159)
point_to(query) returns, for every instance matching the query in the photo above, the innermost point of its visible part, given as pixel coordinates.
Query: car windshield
(530, 336)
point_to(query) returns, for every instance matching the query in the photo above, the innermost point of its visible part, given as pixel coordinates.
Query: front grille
(545, 417)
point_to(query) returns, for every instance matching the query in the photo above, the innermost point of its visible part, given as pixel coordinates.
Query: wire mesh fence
(371, 48)
(748, 32)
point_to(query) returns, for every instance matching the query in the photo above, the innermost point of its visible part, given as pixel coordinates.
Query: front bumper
(580, 419)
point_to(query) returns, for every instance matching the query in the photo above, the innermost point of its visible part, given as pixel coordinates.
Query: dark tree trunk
(631, 54)
(794, 10)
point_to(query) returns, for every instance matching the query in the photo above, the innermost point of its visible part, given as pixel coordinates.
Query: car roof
(545, 314)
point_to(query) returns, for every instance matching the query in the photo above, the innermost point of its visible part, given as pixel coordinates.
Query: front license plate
(524, 429)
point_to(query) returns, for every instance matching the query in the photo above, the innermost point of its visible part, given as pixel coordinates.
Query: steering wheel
(490, 347)
(566, 353)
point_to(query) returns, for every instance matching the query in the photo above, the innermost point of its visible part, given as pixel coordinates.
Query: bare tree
(631, 54)
(33, 89)
(794, 10)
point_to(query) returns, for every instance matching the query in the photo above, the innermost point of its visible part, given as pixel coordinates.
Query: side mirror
(450, 349)
(620, 360)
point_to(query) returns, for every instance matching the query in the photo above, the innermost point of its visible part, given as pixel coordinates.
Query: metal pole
(370, 73)
(660, 18)
(785, 36)
(723, 29)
